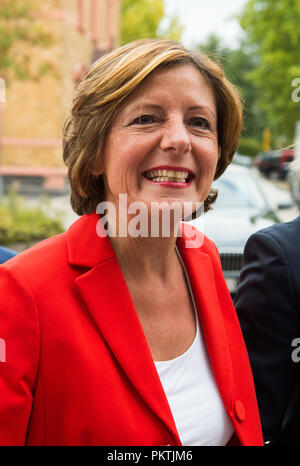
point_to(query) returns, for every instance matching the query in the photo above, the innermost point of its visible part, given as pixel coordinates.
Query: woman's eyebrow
(203, 107)
(149, 105)
(143, 105)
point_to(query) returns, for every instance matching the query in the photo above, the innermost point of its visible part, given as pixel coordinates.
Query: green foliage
(19, 27)
(171, 28)
(238, 65)
(249, 146)
(20, 223)
(273, 32)
(141, 19)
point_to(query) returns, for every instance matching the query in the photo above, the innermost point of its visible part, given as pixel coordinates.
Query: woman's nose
(176, 137)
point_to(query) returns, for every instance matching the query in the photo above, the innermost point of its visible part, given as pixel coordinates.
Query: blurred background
(45, 49)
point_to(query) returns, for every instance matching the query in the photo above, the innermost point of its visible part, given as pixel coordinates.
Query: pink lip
(171, 184)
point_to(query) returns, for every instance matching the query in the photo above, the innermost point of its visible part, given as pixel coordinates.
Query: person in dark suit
(268, 306)
(6, 254)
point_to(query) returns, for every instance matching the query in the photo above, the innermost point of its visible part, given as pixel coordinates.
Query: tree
(238, 63)
(18, 29)
(273, 32)
(141, 19)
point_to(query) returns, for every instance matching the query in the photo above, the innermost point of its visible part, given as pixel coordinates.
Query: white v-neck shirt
(193, 396)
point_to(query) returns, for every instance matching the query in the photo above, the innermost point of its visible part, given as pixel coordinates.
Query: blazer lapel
(104, 290)
(202, 280)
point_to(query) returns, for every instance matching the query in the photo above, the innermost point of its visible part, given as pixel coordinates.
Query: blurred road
(278, 192)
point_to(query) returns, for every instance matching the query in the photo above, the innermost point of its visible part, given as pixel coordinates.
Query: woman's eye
(200, 123)
(144, 120)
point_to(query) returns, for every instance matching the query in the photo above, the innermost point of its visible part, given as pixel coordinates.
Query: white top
(193, 396)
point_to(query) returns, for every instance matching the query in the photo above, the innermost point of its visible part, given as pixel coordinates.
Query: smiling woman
(110, 85)
(132, 339)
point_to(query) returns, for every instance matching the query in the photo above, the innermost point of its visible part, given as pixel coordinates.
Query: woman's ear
(96, 172)
(98, 167)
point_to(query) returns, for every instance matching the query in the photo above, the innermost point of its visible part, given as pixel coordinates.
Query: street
(278, 192)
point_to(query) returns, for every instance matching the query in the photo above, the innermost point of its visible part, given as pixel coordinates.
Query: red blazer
(77, 368)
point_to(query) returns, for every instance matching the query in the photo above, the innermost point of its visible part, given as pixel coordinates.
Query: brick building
(34, 111)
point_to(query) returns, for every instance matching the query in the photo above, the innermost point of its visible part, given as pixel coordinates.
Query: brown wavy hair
(108, 83)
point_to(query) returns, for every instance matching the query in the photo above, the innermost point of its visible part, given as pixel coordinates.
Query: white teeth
(168, 178)
(167, 175)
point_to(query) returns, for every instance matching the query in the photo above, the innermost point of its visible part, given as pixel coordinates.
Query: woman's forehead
(180, 81)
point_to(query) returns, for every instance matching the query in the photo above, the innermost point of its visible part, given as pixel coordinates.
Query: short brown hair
(108, 83)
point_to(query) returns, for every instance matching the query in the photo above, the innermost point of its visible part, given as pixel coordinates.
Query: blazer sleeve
(265, 304)
(19, 333)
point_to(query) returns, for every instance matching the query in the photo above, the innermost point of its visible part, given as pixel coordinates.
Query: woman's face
(163, 142)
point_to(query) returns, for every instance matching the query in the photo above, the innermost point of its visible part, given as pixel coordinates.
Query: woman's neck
(146, 257)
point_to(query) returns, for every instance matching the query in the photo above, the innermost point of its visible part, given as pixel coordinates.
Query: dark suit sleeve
(266, 308)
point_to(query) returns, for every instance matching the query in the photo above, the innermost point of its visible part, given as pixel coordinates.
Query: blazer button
(239, 410)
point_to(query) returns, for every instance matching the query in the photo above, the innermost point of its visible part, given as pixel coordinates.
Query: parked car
(267, 162)
(286, 157)
(240, 210)
(274, 162)
(293, 176)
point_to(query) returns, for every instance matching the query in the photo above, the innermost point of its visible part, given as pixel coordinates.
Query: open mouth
(170, 176)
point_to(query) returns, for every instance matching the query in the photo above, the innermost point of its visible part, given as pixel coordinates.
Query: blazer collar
(86, 247)
(106, 295)
(104, 290)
